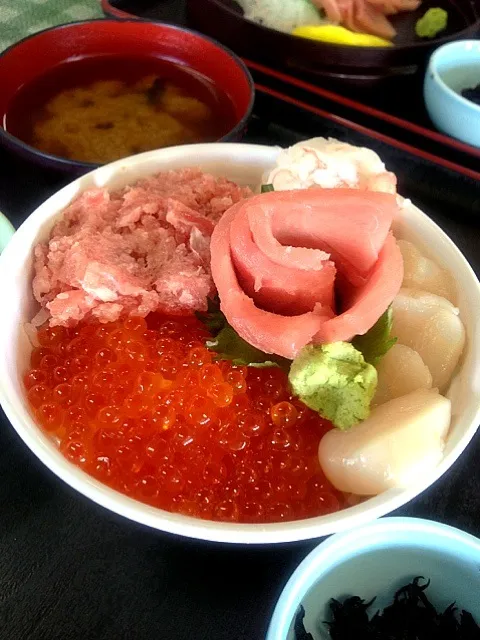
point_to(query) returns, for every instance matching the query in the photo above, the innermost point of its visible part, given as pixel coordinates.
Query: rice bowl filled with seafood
(245, 354)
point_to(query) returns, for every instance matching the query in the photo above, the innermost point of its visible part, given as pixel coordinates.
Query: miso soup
(99, 109)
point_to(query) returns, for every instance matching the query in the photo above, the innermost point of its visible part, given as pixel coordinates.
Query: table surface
(71, 570)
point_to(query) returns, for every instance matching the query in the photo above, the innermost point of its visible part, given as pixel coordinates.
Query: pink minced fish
(142, 249)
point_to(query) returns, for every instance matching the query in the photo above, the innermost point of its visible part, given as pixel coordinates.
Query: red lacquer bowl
(34, 56)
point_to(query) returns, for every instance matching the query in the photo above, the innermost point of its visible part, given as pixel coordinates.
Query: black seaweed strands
(472, 94)
(411, 616)
(299, 626)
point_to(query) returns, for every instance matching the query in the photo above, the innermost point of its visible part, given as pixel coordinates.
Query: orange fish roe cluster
(143, 406)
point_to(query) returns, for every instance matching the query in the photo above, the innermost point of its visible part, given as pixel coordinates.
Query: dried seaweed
(411, 616)
(299, 626)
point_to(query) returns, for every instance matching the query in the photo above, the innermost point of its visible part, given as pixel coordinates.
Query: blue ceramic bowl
(453, 67)
(376, 560)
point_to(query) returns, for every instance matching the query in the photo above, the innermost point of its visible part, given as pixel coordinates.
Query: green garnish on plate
(229, 345)
(433, 22)
(378, 340)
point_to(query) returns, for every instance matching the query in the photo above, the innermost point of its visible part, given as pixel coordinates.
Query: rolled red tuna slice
(349, 224)
(365, 304)
(291, 256)
(270, 332)
(279, 307)
(274, 286)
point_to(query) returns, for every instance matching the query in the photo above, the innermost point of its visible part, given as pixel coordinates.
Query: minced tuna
(142, 249)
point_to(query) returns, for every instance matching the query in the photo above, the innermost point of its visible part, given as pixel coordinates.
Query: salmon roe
(144, 407)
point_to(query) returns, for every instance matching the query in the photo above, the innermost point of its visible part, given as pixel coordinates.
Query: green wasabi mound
(431, 23)
(334, 380)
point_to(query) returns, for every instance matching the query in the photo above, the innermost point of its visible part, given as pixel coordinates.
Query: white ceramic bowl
(375, 561)
(244, 164)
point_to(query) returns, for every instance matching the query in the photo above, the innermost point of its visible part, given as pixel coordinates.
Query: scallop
(399, 443)
(430, 325)
(401, 371)
(423, 273)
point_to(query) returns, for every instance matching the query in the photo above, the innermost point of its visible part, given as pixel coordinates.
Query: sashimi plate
(223, 19)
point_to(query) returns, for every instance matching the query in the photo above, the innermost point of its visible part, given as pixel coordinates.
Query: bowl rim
(401, 47)
(338, 548)
(433, 69)
(91, 166)
(348, 518)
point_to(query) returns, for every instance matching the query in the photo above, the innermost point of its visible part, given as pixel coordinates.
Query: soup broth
(102, 109)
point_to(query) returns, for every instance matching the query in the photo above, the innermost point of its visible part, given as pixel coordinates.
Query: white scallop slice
(400, 371)
(430, 325)
(423, 273)
(401, 441)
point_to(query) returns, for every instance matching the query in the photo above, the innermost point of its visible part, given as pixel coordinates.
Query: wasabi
(334, 380)
(431, 23)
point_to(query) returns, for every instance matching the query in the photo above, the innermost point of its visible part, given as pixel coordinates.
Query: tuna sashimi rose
(298, 267)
